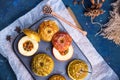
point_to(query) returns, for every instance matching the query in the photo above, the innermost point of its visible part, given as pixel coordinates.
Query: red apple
(61, 41)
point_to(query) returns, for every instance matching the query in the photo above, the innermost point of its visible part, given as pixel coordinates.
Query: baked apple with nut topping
(47, 29)
(57, 77)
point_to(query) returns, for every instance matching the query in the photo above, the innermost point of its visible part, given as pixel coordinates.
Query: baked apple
(77, 70)
(47, 29)
(42, 64)
(27, 46)
(61, 41)
(66, 55)
(57, 77)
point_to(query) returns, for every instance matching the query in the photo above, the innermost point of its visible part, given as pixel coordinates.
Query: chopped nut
(28, 46)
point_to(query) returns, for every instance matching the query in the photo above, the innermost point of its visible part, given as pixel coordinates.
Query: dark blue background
(10, 10)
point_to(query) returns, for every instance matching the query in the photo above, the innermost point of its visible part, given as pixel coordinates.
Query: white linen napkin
(101, 70)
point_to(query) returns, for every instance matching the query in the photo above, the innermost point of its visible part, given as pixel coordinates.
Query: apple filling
(28, 45)
(64, 52)
(77, 70)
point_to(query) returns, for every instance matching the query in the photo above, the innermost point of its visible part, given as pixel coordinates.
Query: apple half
(27, 46)
(60, 56)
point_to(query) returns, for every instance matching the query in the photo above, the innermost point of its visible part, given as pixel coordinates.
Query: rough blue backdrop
(10, 10)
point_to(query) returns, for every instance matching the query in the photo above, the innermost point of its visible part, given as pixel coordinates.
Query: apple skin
(54, 50)
(61, 41)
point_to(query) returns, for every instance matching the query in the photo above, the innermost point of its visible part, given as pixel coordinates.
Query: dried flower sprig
(95, 10)
(93, 13)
